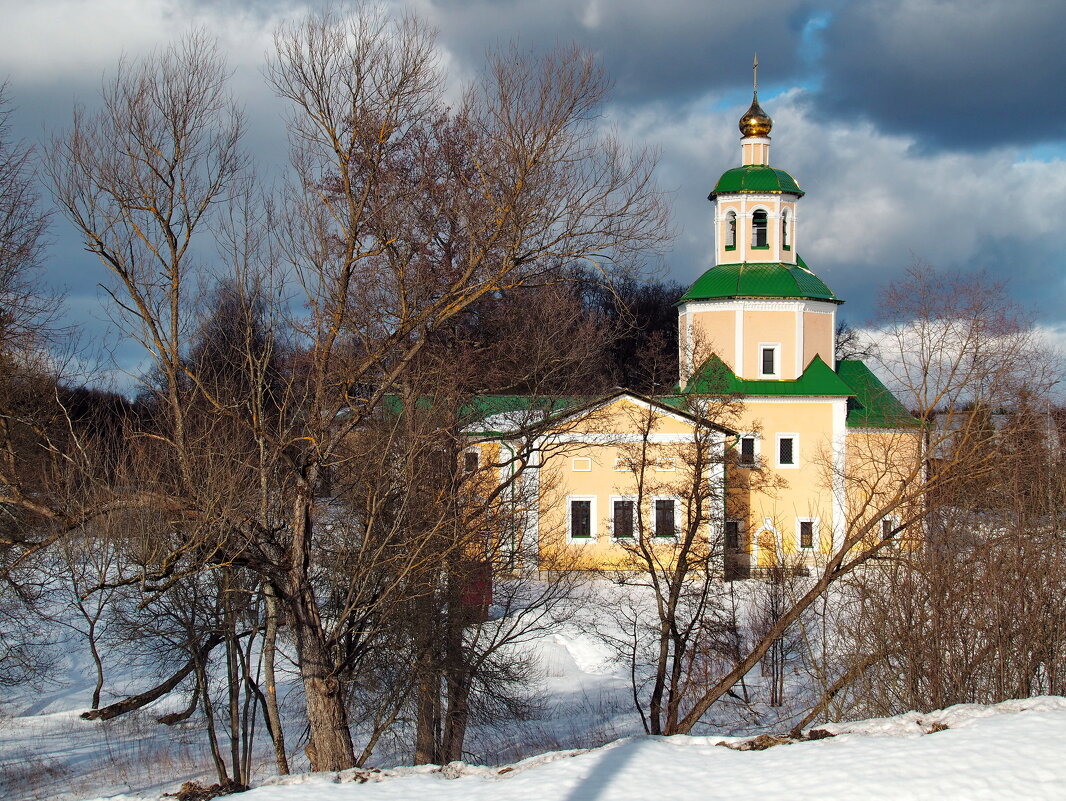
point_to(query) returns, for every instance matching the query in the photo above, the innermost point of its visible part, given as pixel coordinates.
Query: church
(795, 444)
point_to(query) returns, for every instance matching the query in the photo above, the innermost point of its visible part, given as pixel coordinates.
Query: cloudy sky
(928, 131)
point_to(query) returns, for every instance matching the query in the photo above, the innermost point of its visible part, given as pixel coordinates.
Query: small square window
(581, 465)
(665, 465)
(665, 525)
(786, 452)
(623, 519)
(806, 533)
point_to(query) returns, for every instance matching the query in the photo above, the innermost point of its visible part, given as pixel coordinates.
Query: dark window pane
(580, 519)
(768, 361)
(747, 450)
(623, 519)
(786, 455)
(806, 534)
(732, 535)
(664, 518)
(471, 461)
(758, 229)
(887, 530)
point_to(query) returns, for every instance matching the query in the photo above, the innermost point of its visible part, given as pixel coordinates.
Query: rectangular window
(623, 519)
(581, 464)
(471, 461)
(768, 366)
(747, 451)
(888, 531)
(786, 452)
(580, 520)
(806, 533)
(769, 360)
(664, 518)
(732, 535)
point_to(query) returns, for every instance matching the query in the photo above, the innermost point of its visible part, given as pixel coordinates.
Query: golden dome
(755, 121)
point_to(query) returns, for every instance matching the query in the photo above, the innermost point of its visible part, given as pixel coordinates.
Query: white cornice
(757, 304)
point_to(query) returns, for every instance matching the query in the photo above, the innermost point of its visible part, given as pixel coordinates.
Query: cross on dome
(755, 121)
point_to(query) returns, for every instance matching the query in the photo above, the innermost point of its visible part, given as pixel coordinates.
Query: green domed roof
(756, 178)
(760, 280)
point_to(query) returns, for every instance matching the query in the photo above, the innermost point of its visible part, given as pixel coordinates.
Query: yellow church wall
(769, 327)
(877, 463)
(593, 459)
(818, 337)
(780, 497)
(589, 473)
(714, 332)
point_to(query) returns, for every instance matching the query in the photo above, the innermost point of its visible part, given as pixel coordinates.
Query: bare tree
(27, 418)
(401, 215)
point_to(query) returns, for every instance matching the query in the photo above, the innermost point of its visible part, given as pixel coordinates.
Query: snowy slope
(1007, 751)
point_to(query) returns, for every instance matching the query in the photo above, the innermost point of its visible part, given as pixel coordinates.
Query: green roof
(756, 178)
(873, 405)
(715, 378)
(760, 280)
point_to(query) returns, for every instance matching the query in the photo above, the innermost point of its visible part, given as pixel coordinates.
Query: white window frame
(776, 348)
(593, 519)
(635, 500)
(677, 516)
(756, 452)
(816, 537)
(893, 520)
(666, 465)
(584, 461)
(623, 464)
(795, 451)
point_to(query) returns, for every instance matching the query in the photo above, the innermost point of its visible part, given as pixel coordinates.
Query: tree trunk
(98, 662)
(270, 640)
(157, 692)
(427, 717)
(330, 746)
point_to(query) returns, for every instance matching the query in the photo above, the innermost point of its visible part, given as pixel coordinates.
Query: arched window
(786, 230)
(731, 231)
(758, 230)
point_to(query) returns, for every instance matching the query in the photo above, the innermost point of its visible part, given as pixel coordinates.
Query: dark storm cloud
(657, 52)
(951, 73)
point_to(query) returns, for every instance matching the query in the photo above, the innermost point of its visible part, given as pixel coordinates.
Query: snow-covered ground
(581, 736)
(1012, 750)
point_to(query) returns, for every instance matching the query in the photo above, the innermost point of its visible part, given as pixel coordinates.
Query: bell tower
(758, 308)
